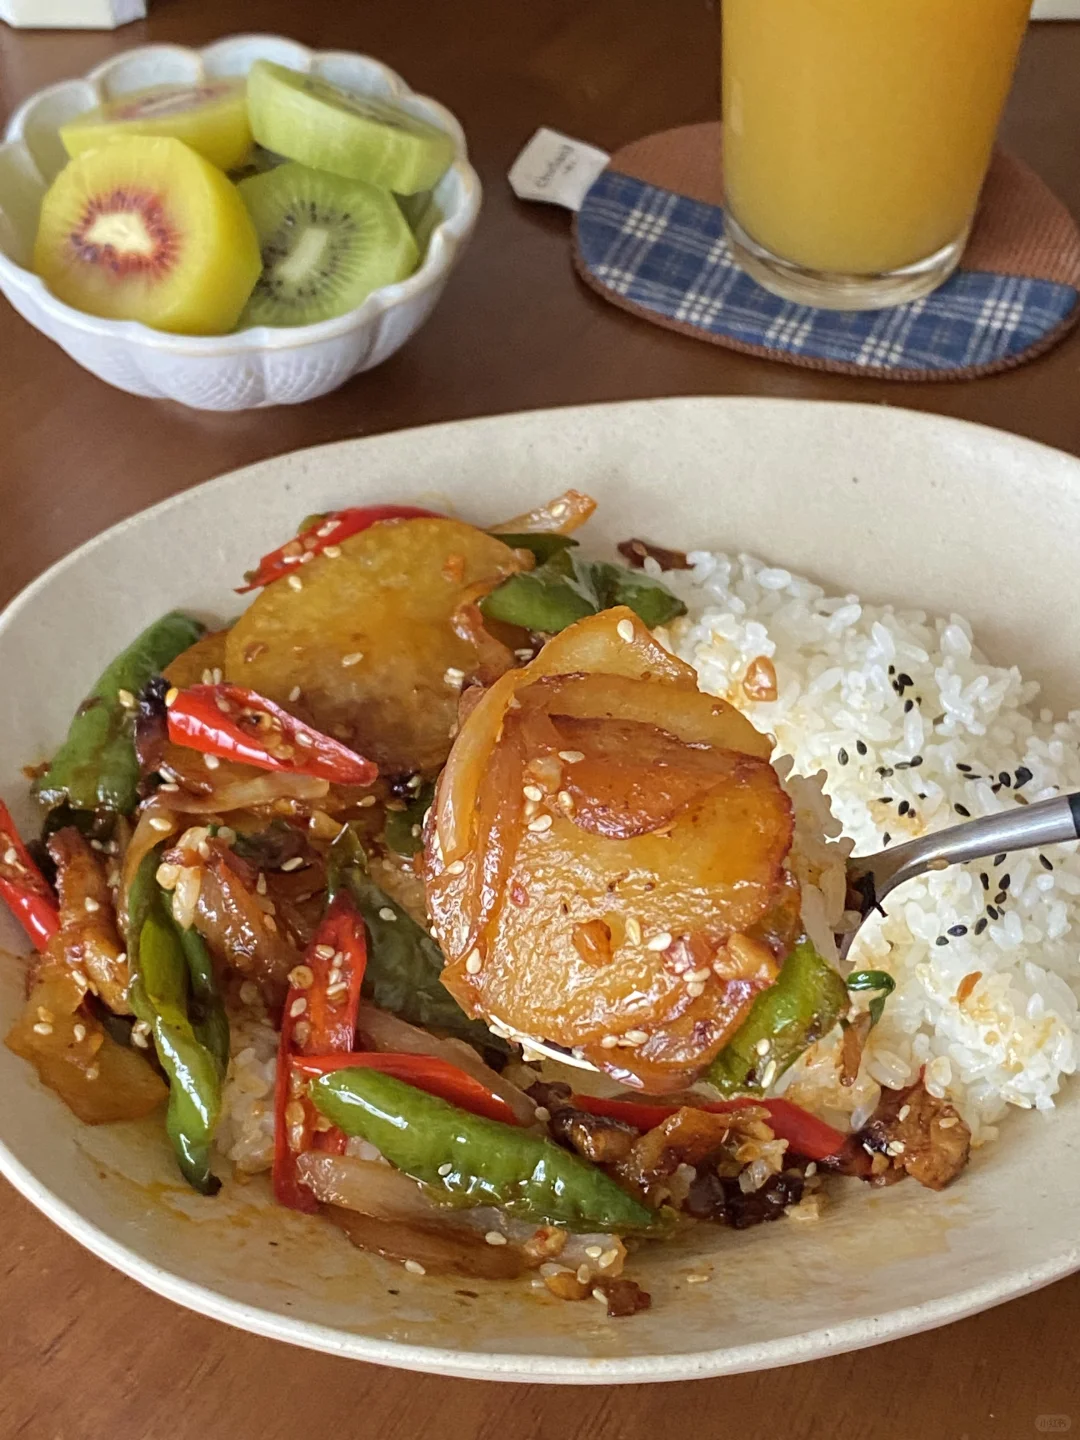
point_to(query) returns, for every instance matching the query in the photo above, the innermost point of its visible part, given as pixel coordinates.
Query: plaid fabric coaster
(662, 254)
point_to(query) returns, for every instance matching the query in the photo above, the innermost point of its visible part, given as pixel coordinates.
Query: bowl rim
(445, 240)
(849, 1335)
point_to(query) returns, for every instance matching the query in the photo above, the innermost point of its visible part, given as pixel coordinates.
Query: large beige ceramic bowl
(893, 504)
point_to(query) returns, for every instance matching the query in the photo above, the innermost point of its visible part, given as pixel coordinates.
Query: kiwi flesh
(326, 244)
(359, 136)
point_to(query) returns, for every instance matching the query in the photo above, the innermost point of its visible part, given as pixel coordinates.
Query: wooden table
(86, 1352)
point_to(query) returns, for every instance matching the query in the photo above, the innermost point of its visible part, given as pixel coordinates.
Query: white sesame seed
(332, 552)
(171, 694)
(698, 1279)
(571, 756)
(42, 1028)
(126, 698)
(608, 1258)
(249, 992)
(414, 1267)
(158, 822)
(473, 963)
(226, 834)
(140, 1039)
(218, 677)
(532, 792)
(294, 693)
(91, 904)
(454, 677)
(584, 1274)
(625, 629)
(207, 677)
(633, 930)
(11, 856)
(387, 914)
(46, 1015)
(80, 978)
(768, 1075)
(609, 1042)
(325, 952)
(353, 658)
(367, 802)
(659, 942)
(811, 1169)
(167, 876)
(211, 762)
(904, 1112)
(566, 800)
(445, 1168)
(337, 988)
(169, 787)
(456, 867)
(298, 1006)
(294, 863)
(946, 1124)
(695, 989)
(540, 824)
(598, 1294)
(295, 583)
(762, 1046)
(636, 1037)
(495, 1237)
(594, 1251)
(697, 976)
(542, 1113)
(894, 1147)
(78, 1033)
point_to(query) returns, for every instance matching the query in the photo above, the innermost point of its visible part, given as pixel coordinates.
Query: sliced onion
(367, 1186)
(249, 794)
(437, 1250)
(561, 516)
(386, 1032)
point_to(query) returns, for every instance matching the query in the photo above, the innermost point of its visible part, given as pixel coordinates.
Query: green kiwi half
(326, 244)
(359, 136)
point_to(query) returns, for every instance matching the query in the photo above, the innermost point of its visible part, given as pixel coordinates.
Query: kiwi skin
(326, 244)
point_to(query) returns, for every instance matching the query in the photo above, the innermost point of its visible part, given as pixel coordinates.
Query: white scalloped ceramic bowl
(256, 367)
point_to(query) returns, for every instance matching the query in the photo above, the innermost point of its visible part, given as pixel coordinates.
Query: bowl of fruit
(245, 225)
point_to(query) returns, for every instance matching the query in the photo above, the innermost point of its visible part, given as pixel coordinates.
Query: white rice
(245, 1132)
(1015, 1036)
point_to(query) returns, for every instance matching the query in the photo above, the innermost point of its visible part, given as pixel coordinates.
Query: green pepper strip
(404, 965)
(490, 1163)
(804, 1004)
(209, 1019)
(879, 980)
(96, 767)
(159, 996)
(398, 832)
(564, 588)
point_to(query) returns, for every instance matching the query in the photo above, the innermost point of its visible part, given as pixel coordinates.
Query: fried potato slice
(369, 638)
(619, 884)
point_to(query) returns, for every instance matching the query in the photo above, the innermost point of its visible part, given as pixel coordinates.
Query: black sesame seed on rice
(995, 788)
(957, 930)
(1000, 897)
(1005, 777)
(981, 924)
(842, 756)
(962, 810)
(1046, 863)
(1023, 775)
(942, 940)
(909, 705)
(1006, 881)
(961, 766)
(985, 878)
(860, 746)
(1000, 859)
(885, 839)
(992, 912)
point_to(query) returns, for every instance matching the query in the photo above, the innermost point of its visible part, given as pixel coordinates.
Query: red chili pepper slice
(427, 1072)
(805, 1133)
(238, 724)
(330, 530)
(319, 1018)
(25, 890)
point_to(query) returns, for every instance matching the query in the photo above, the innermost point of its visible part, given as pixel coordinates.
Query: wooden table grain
(84, 1352)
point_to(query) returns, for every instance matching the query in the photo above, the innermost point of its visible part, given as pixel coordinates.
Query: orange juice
(857, 132)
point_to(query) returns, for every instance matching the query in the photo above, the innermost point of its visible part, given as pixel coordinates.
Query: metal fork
(870, 878)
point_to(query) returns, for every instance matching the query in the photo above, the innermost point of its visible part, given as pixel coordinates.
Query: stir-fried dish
(440, 792)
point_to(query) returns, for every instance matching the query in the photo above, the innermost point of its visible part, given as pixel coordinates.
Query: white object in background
(1056, 10)
(71, 14)
(264, 365)
(554, 168)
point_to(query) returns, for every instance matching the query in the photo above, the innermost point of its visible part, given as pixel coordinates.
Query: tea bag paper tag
(557, 169)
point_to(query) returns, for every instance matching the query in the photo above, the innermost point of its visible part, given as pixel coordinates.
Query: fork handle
(1049, 822)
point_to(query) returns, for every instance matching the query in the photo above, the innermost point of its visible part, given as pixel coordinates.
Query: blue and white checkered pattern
(668, 254)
